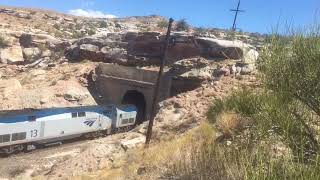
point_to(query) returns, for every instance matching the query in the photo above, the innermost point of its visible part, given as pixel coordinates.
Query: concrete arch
(136, 98)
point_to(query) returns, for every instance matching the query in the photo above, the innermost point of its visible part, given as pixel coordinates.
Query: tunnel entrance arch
(136, 98)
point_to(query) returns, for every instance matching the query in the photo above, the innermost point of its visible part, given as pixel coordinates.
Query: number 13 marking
(34, 133)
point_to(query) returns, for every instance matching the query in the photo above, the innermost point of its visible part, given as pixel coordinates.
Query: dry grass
(15, 171)
(228, 123)
(154, 162)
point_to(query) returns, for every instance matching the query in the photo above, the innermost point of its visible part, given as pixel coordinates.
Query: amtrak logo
(89, 123)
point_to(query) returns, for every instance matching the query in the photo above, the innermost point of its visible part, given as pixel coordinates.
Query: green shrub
(285, 109)
(103, 24)
(270, 112)
(202, 159)
(3, 42)
(91, 31)
(291, 67)
(163, 24)
(77, 34)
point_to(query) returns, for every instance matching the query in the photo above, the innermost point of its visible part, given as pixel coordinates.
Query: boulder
(222, 72)
(182, 47)
(89, 48)
(25, 40)
(31, 54)
(113, 54)
(247, 69)
(233, 69)
(185, 65)
(189, 74)
(11, 55)
(132, 143)
(75, 94)
(182, 51)
(216, 48)
(57, 45)
(73, 53)
(89, 51)
(35, 40)
(250, 57)
(93, 41)
(46, 53)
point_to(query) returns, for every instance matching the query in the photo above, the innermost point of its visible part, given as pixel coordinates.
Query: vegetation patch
(3, 42)
(182, 25)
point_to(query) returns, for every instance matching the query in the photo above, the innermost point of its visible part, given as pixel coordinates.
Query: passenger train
(29, 129)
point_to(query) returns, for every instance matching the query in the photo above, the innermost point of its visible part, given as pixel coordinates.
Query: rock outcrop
(143, 49)
(11, 55)
(189, 74)
(31, 54)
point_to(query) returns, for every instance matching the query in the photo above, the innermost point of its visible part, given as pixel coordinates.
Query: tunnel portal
(130, 85)
(136, 98)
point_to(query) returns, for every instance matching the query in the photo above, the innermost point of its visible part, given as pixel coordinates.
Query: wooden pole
(236, 15)
(157, 87)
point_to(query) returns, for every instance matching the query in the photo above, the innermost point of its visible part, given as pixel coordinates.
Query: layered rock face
(52, 47)
(143, 49)
(25, 48)
(45, 88)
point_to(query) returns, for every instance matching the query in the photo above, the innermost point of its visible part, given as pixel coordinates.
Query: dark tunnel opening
(136, 98)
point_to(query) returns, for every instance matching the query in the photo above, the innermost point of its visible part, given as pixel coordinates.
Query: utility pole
(157, 87)
(236, 15)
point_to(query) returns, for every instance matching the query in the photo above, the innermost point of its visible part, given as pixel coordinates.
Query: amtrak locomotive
(28, 129)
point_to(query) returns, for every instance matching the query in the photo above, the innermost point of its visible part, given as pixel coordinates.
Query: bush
(182, 25)
(285, 109)
(77, 34)
(103, 24)
(91, 32)
(270, 113)
(3, 42)
(291, 67)
(163, 24)
(201, 158)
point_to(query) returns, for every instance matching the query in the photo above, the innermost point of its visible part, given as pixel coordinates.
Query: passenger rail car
(27, 129)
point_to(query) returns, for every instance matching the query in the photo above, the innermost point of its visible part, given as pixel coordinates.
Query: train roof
(48, 111)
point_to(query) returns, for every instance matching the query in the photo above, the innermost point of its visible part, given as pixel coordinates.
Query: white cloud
(90, 13)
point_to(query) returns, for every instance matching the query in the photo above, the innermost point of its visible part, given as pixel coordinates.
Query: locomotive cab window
(81, 114)
(32, 118)
(131, 120)
(125, 121)
(19, 136)
(74, 115)
(4, 138)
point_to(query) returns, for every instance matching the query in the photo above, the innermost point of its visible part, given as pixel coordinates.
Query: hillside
(48, 59)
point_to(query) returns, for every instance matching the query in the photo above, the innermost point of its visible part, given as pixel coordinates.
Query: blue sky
(260, 15)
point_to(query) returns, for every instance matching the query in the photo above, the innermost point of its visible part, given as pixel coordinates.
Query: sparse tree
(163, 24)
(182, 25)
